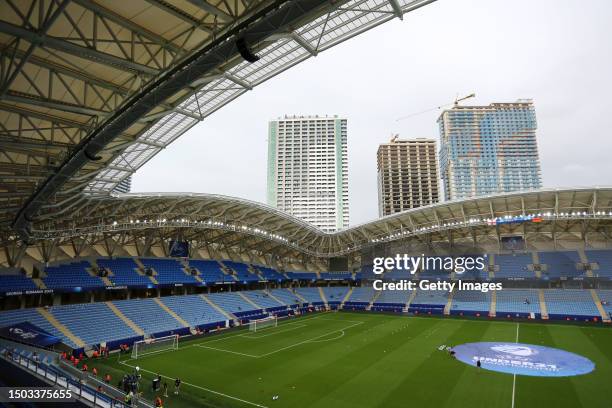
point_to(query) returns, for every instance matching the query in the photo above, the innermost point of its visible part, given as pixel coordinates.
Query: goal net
(259, 324)
(150, 346)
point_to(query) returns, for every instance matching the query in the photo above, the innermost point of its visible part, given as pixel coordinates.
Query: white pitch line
(514, 377)
(202, 388)
(272, 333)
(309, 340)
(226, 351)
(324, 340)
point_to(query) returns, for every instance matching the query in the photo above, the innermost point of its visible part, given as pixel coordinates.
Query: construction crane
(455, 103)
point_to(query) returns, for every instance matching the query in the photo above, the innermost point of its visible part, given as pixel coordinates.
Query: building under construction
(407, 175)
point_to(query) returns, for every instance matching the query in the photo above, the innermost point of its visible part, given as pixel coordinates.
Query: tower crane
(455, 103)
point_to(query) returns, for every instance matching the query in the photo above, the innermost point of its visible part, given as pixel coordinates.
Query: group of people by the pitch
(131, 387)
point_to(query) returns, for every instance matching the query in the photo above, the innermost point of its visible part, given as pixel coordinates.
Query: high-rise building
(407, 175)
(489, 149)
(308, 169)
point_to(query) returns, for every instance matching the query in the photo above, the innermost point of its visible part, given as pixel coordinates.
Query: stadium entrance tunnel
(523, 359)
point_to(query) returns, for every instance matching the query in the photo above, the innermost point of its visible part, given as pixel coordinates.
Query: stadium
(249, 306)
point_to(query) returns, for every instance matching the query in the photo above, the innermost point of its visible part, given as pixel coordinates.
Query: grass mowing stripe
(514, 376)
(555, 392)
(353, 371)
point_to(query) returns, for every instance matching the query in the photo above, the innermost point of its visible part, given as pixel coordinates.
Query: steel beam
(252, 31)
(74, 49)
(209, 8)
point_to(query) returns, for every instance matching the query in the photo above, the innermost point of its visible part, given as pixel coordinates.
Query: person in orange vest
(159, 403)
(94, 371)
(95, 354)
(107, 378)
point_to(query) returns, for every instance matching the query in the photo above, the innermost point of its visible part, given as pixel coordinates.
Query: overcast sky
(557, 52)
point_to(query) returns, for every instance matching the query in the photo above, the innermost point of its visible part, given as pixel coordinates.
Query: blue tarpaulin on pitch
(26, 332)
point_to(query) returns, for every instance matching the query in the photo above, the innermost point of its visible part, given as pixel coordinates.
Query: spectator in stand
(85, 368)
(107, 378)
(94, 371)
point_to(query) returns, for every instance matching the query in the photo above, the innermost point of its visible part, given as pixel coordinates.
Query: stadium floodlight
(151, 346)
(260, 324)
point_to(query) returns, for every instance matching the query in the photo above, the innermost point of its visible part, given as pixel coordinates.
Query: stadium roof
(244, 225)
(92, 90)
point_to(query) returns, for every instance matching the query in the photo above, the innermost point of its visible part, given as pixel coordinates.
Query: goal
(259, 324)
(150, 346)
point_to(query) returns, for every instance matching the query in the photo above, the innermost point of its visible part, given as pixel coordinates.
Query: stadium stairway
(227, 271)
(228, 315)
(449, 304)
(373, 300)
(535, 259)
(256, 272)
(187, 270)
(249, 301)
(141, 271)
(543, 310)
(410, 299)
(59, 326)
(321, 293)
(125, 319)
(94, 267)
(604, 315)
(493, 306)
(297, 295)
(39, 283)
(140, 265)
(346, 297)
(584, 260)
(491, 266)
(171, 312)
(274, 297)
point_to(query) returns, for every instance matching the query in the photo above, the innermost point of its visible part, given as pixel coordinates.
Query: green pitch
(348, 360)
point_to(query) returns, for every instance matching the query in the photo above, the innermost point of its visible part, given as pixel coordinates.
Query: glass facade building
(489, 149)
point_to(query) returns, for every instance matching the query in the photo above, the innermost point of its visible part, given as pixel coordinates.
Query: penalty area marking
(202, 388)
(310, 340)
(334, 338)
(270, 332)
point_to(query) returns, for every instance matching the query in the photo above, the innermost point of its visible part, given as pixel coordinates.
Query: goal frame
(172, 345)
(253, 324)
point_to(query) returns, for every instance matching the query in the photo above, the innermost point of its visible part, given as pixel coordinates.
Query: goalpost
(259, 324)
(150, 346)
